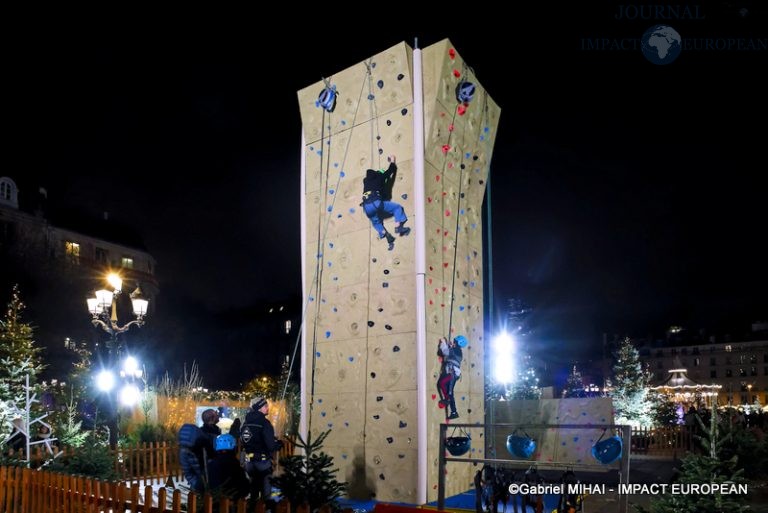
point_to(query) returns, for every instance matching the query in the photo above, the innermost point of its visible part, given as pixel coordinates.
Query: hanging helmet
(458, 445)
(465, 91)
(327, 98)
(461, 341)
(521, 446)
(225, 442)
(607, 451)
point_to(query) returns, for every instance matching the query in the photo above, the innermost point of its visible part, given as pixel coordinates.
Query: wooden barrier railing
(24, 490)
(149, 462)
(672, 441)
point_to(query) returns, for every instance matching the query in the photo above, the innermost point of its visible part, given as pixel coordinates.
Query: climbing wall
(361, 298)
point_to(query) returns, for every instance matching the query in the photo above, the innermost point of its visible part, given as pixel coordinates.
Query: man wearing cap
(377, 202)
(259, 442)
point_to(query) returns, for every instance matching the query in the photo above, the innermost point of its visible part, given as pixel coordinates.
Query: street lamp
(103, 309)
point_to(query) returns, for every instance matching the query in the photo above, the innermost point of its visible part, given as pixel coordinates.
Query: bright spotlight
(130, 395)
(503, 348)
(131, 366)
(105, 381)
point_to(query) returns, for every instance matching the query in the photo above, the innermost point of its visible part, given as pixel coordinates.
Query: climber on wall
(377, 203)
(450, 371)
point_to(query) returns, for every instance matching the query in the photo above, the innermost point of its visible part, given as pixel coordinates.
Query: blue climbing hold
(351, 210)
(380, 83)
(404, 196)
(461, 308)
(331, 191)
(330, 208)
(351, 358)
(327, 334)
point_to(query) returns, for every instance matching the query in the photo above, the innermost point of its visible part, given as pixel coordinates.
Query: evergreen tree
(309, 478)
(705, 468)
(574, 385)
(19, 355)
(630, 387)
(527, 384)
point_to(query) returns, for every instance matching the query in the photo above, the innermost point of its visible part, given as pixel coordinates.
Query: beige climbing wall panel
(361, 298)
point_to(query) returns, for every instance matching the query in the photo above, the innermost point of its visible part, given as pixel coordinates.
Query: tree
(663, 411)
(630, 387)
(710, 467)
(574, 385)
(527, 384)
(19, 356)
(310, 478)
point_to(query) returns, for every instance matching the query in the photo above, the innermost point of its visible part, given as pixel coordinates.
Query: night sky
(626, 196)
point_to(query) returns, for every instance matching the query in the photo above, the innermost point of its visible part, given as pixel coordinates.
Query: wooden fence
(665, 442)
(153, 461)
(24, 490)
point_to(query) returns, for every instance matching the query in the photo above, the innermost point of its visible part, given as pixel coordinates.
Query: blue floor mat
(464, 500)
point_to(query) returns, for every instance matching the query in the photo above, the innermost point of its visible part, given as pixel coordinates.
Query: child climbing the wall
(450, 371)
(377, 204)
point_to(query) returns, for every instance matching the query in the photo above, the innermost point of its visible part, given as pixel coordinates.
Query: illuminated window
(72, 250)
(127, 262)
(287, 326)
(728, 348)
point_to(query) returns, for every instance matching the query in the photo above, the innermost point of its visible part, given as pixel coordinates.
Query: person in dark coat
(225, 475)
(259, 443)
(377, 202)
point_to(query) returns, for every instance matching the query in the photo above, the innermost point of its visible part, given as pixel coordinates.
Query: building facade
(740, 367)
(59, 264)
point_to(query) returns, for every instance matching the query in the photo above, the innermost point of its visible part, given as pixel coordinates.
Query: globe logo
(661, 44)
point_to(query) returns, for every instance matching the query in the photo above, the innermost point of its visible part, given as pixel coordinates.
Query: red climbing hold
(461, 109)
(429, 200)
(445, 264)
(450, 165)
(447, 213)
(452, 53)
(450, 127)
(456, 73)
(437, 178)
(446, 148)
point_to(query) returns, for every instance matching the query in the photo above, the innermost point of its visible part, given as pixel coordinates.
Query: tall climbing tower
(373, 315)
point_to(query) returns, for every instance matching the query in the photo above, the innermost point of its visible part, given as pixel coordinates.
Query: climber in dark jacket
(377, 202)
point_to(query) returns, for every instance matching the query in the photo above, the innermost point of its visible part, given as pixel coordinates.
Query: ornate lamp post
(103, 309)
